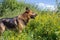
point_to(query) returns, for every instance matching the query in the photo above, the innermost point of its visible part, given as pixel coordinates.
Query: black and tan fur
(17, 22)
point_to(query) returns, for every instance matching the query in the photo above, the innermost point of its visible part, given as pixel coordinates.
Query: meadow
(46, 26)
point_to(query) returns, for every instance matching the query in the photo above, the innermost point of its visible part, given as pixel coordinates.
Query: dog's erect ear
(27, 8)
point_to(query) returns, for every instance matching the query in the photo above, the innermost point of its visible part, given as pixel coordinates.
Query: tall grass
(46, 26)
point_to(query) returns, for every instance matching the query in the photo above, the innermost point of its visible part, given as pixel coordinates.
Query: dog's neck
(24, 19)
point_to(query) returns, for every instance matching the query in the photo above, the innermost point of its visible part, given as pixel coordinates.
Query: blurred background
(46, 26)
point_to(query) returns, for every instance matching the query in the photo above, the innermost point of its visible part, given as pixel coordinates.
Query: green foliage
(1, 9)
(46, 26)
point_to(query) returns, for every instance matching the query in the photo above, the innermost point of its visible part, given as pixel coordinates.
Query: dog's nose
(35, 14)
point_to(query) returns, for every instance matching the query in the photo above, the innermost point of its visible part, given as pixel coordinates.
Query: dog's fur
(17, 22)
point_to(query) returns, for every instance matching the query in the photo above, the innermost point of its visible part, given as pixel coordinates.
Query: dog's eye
(32, 12)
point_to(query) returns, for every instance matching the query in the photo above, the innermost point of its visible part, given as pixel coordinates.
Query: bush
(46, 26)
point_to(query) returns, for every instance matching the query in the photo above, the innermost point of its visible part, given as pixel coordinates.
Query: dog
(19, 21)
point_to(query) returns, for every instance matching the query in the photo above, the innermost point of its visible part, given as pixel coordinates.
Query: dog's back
(9, 22)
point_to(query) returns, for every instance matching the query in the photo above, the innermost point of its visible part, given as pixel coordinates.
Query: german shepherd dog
(17, 22)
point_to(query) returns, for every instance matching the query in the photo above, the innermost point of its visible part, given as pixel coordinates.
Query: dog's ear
(27, 8)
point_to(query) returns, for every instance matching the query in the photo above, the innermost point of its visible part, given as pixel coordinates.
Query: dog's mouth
(33, 16)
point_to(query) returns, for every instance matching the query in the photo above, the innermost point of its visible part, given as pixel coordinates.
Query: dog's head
(30, 13)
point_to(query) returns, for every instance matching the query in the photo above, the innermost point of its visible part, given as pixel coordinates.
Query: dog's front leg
(20, 26)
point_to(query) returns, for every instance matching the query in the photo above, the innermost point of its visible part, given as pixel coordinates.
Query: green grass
(43, 27)
(46, 26)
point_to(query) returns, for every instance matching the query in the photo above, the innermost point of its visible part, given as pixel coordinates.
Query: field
(46, 26)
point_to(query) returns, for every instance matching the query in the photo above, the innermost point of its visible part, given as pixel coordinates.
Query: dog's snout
(35, 14)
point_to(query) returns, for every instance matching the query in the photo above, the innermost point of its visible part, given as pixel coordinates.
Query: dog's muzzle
(33, 16)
